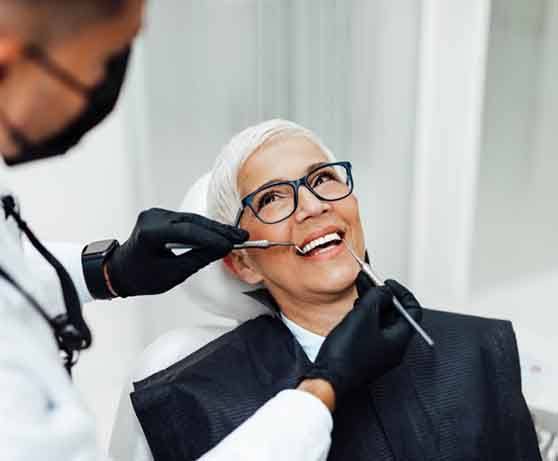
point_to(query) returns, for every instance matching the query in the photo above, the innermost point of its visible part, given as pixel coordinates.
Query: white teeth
(320, 241)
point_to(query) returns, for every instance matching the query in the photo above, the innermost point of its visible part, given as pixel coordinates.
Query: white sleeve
(69, 254)
(292, 426)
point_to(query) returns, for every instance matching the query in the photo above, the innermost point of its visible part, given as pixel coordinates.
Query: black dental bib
(459, 401)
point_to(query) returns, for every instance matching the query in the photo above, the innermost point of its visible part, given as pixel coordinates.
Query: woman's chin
(342, 268)
(337, 280)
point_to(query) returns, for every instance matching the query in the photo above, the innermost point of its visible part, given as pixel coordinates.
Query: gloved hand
(143, 266)
(370, 340)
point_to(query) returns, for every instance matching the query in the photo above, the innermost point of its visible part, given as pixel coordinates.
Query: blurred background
(447, 110)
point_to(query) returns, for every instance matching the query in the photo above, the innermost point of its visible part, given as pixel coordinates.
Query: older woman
(460, 400)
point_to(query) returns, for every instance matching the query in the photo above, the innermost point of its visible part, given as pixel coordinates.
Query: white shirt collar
(309, 341)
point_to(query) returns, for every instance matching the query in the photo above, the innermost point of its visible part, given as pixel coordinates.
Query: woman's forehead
(281, 159)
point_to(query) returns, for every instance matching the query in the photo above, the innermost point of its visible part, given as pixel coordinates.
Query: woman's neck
(319, 314)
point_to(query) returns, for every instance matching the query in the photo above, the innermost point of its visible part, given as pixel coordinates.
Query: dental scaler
(239, 246)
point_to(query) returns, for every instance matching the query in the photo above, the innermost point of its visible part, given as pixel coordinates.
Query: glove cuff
(326, 375)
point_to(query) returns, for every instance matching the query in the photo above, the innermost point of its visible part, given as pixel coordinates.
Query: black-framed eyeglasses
(273, 203)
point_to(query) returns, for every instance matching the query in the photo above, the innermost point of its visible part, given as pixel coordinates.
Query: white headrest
(214, 289)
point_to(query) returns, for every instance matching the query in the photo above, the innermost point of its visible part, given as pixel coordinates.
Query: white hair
(223, 196)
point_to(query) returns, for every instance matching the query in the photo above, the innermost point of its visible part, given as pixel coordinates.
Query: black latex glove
(370, 340)
(143, 266)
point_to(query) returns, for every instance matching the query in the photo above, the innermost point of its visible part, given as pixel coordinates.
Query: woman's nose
(309, 205)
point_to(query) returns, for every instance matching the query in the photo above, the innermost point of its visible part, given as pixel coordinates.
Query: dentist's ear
(238, 265)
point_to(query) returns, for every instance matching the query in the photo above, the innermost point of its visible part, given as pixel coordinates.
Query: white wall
(516, 219)
(450, 95)
(484, 221)
(514, 270)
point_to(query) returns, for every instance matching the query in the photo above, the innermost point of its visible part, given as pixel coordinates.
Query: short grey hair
(223, 196)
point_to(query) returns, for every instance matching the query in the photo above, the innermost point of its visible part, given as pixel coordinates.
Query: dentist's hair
(223, 196)
(40, 21)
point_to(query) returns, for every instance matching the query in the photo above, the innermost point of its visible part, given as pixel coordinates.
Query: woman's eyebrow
(308, 169)
(314, 166)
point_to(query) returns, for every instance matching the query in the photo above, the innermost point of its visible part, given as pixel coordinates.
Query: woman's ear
(238, 264)
(229, 265)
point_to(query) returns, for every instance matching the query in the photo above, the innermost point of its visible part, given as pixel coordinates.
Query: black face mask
(101, 100)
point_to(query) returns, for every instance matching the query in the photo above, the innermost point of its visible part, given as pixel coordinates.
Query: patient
(460, 400)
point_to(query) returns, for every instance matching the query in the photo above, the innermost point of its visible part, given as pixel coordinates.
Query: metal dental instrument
(378, 280)
(239, 246)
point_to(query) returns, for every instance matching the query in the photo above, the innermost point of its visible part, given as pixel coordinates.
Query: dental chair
(213, 293)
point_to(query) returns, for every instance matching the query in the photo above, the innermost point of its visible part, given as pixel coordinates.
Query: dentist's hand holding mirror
(370, 340)
(143, 265)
